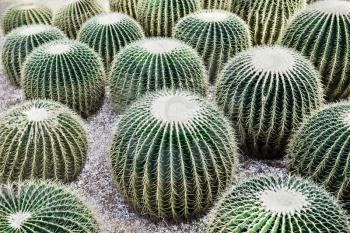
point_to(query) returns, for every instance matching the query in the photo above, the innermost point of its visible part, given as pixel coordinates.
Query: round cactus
(154, 64)
(217, 36)
(267, 18)
(267, 92)
(41, 139)
(108, 33)
(158, 17)
(66, 71)
(44, 207)
(72, 16)
(276, 203)
(321, 33)
(172, 155)
(20, 43)
(21, 14)
(128, 7)
(216, 4)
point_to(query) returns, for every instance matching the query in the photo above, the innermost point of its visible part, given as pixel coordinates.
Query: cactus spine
(128, 7)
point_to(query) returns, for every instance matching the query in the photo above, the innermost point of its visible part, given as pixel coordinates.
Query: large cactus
(267, 92)
(128, 7)
(172, 155)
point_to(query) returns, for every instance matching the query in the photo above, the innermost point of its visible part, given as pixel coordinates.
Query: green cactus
(267, 91)
(277, 203)
(217, 35)
(108, 33)
(267, 19)
(72, 16)
(321, 33)
(216, 4)
(172, 155)
(44, 207)
(41, 139)
(158, 17)
(128, 7)
(20, 42)
(154, 64)
(66, 71)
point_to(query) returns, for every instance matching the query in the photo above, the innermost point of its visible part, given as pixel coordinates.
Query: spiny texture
(321, 33)
(108, 33)
(267, 19)
(158, 17)
(66, 71)
(25, 14)
(172, 155)
(20, 43)
(275, 203)
(128, 7)
(217, 36)
(267, 92)
(154, 64)
(71, 17)
(216, 4)
(43, 140)
(44, 207)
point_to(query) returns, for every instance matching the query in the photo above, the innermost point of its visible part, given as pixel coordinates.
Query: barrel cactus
(66, 71)
(172, 154)
(21, 14)
(73, 15)
(108, 33)
(20, 43)
(44, 207)
(321, 33)
(277, 203)
(217, 35)
(267, 91)
(128, 7)
(158, 17)
(216, 4)
(267, 18)
(153, 64)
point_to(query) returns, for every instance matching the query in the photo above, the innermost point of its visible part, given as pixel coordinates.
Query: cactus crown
(212, 16)
(160, 46)
(330, 7)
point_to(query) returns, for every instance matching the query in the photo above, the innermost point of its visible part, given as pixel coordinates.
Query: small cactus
(21, 14)
(172, 155)
(44, 207)
(66, 71)
(217, 35)
(73, 15)
(108, 33)
(154, 64)
(20, 43)
(267, 18)
(321, 33)
(41, 139)
(128, 7)
(267, 91)
(158, 17)
(277, 203)
(216, 4)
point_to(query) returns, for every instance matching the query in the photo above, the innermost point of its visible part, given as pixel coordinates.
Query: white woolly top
(33, 29)
(27, 6)
(346, 118)
(59, 49)
(16, 220)
(110, 18)
(161, 45)
(334, 7)
(37, 114)
(212, 16)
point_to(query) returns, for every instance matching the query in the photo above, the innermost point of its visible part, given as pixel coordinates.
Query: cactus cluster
(321, 33)
(267, 19)
(153, 64)
(277, 203)
(44, 207)
(66, 71)
(128, 7)
(20, 42)
(267, 91)
(217, 35)
(216, 4)
(108, 33)
(172, 154)
(22, 14)
(41, 139)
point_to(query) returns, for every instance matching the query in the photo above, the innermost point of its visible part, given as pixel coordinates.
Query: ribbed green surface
(267, 92)
(216, 4)
(108, 33)
(217, 35)
(72, 16)
(158, 17)
(24, 14)
(243, 208)
(66, 71)
(154, 64)
(20, 43)
(44, 207)
(128, 7)
(172, 155)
